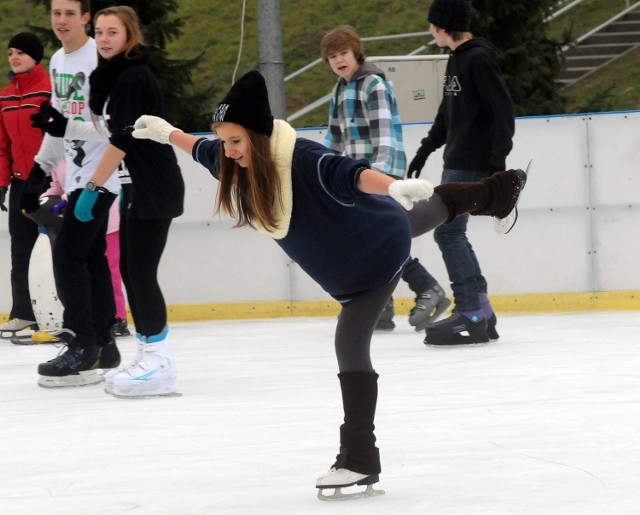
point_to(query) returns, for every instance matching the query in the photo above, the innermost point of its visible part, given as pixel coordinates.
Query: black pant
(142, 243)
(359, 316)
(82, 272)
(23, 233)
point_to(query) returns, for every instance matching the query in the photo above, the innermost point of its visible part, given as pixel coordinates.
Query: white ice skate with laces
(338, 478)
(153, 372)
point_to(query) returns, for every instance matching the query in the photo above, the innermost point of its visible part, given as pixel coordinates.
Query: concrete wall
(577, 232)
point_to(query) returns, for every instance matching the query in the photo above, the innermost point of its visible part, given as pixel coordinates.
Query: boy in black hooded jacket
(475, 121)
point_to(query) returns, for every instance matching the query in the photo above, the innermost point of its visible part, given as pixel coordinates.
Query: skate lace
(65, 355)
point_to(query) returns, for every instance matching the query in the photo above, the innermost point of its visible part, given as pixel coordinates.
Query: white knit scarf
(282, 140)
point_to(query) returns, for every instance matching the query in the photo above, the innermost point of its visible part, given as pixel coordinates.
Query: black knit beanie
(247, 104)
(28, 43)
(451, 15)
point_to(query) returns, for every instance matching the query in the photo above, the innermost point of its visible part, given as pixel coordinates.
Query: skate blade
(23, 340)
(83, 378)
(9, 335)
(145, 396)
(457, 344)
(442, 306)
(34, 340)
(337, 494)
(504, 225)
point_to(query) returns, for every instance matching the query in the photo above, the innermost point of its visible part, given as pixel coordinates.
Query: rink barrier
(574, 237)
(502, 304)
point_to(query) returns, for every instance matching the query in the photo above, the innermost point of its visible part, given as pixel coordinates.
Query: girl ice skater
(334, 217)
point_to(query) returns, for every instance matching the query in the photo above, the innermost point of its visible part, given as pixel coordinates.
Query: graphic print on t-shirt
(72, 103)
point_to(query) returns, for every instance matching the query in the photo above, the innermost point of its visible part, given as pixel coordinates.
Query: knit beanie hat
(247, 104)
(451, 14)
(28, 43)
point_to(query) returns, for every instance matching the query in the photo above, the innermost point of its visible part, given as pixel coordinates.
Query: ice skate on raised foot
(153, 372)
(457, 329)
(337, 479)
(504, 225)
(429, 306)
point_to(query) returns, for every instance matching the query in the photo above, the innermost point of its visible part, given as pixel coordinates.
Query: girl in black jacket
(122, 88)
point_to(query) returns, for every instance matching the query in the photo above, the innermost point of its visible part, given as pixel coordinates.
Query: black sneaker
(456, 329)
(109, 355)
(74, 366)
(120, 328)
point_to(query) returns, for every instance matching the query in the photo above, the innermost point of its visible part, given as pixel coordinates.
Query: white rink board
(579, 215)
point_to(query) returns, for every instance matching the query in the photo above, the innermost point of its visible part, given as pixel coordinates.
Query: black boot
(358, 451)
(496, 195)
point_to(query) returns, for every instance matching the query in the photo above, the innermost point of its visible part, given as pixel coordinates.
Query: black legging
(358, 317)
(24, 233)
(142, 243)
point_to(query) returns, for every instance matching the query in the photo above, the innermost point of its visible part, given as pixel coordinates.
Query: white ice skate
(15, 325)
(153, 373)
(338, 478)
(504, 225)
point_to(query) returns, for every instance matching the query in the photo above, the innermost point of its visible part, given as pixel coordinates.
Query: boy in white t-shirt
(81, 268)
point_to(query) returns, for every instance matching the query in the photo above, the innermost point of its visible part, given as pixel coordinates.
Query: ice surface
(544, 421)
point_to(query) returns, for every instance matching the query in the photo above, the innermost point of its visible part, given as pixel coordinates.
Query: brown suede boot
(496, 195)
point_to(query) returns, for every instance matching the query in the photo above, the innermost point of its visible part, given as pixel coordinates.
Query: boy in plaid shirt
(364, 123)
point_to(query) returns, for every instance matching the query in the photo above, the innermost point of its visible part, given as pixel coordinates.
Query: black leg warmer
(358, 451)
(496, 195)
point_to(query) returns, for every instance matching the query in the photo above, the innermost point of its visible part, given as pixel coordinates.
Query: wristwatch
(92, 186)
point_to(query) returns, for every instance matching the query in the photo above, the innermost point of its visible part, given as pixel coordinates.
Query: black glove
(417, 163)
(49, 120)
(35, 185)
(3, 195)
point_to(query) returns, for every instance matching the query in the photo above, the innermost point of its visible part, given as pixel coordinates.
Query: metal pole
(271, 60)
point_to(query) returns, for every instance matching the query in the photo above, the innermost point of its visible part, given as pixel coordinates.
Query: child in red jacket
(19, 143)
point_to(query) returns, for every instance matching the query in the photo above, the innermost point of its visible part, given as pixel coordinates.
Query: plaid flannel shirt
(364, 122)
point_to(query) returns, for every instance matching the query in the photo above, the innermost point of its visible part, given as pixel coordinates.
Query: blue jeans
(467, 281)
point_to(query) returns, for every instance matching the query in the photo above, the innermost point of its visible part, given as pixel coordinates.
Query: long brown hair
(250, 194)
(131, 22)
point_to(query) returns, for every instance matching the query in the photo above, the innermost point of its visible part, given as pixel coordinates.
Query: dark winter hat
(451, 14)
(247, 104)
(28, 43)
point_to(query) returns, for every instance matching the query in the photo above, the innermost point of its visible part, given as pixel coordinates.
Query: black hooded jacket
(476, 116)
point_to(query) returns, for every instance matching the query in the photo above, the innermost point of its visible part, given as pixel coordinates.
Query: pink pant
(113, 256)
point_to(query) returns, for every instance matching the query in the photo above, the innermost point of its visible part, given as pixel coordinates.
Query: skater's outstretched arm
(157, 129)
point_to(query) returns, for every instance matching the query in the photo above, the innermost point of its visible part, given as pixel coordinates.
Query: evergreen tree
(188, 106)
(531, 62)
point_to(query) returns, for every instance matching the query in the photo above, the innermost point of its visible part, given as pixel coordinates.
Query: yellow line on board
(503, 304)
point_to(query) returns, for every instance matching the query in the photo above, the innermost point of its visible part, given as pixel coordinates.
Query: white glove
(153, 128)
(409, 191)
